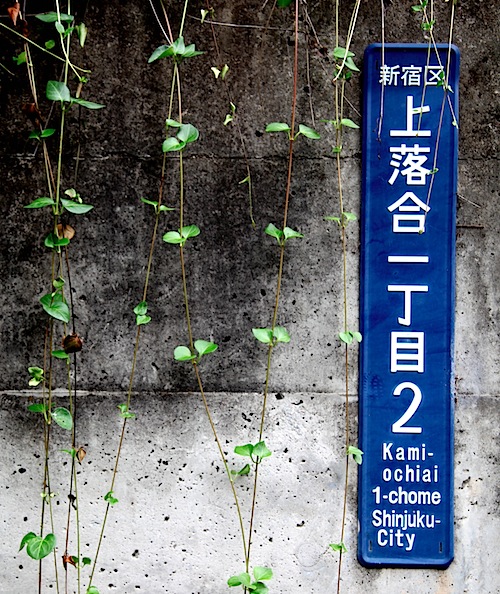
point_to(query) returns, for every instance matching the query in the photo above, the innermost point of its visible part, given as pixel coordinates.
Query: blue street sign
(410, 150)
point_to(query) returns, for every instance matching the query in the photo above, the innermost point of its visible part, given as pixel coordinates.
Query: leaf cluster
(59, 91)
(349, 336)
(73, 204)
(186, 133)
(303, 130)
(182, 235)
(257, 586)
(356, 453)
(202, 347)
(271, 336)
(59, 415)
(178, 51)
(282, 235)
(346, 217)
(256, 452)
(141, 317)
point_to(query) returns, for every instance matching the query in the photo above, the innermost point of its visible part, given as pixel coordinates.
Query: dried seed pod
(72, 343)
(66, 231)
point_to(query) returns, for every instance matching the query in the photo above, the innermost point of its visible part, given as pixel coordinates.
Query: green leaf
(39, 547)
(58, 282)
(86, 561)
(224, 71)
(26, 539)
(357, 336)
(204, 347)
(57, 309)
(87, 104)
(36, 373)
(187, 133)
(172, 144)
(125, 413)
(183, 353)
(190, 231)
(57, 91)
(351, 65)
(60, 28)
(173, 237)
(262, 573)
(281, 335)
(141, 320)
(47, 132)
(277, 127)
(37, 408)
(336, 219)
(141, 308)
(338, 547)
(53, 17)
(63, 418)
(284, 3)
(341, 53)
(40, 203)
(178, 46)
(161, 52)
(349, 216)
(243, 579)
(92, 590)
(261, 451)
(273, 231)
(290, 233)
(228, 119)
(245, 181)
(348, 123)
(259, 588)
(204, 14)
(108, 498)
(172, 123)
(20, 59)
(346, 337)
(244, 450)
(308, 132)
(76, 207)
(52, 241)
(164, 208)
(150, 202)
(82, 31)
(264, 335)
(60, 354)
(356, 453)
(243, 471)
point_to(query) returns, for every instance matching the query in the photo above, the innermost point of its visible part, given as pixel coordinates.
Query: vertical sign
(407, 305)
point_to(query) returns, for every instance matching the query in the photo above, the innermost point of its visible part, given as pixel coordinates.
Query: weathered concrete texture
(174, 529)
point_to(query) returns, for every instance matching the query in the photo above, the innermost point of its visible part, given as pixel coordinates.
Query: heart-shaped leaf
(183, 353)
(57, 91)
(38, 547)
(63, 418)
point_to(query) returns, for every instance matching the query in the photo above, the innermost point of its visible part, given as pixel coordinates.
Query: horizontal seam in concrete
(115, 393)
(214, 157)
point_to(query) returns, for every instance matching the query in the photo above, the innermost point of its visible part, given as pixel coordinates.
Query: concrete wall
(174, 529)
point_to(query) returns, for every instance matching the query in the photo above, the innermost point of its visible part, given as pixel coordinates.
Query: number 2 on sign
(399, 426)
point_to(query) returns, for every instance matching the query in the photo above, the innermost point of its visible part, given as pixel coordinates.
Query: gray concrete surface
(174, 529)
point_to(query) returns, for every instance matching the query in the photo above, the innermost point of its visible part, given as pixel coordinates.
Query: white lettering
(407, 353)
(407, 290)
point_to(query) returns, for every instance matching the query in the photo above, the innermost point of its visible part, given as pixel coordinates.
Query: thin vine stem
(176, 76)
(280, 270)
